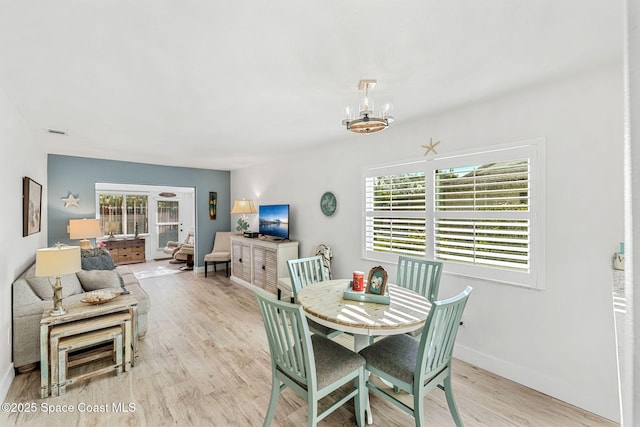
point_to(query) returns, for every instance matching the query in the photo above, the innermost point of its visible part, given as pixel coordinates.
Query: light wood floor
(205, 362)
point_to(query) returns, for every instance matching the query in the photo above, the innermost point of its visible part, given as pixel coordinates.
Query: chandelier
(366, 121)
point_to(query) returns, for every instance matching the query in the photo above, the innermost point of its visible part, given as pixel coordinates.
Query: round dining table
(323, 302)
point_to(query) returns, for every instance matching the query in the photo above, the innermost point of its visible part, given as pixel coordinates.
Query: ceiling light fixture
(366, 121)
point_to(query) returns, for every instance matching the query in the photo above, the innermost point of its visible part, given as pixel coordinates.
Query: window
(482, 216)
(488, 198)
(168, 221)
(123, 213)
(394, 212)
(485, 213)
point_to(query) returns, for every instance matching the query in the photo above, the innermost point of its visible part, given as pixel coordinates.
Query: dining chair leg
(273, 402)
(361, 398)
(312, 416)
(418, 408)
(453, 408)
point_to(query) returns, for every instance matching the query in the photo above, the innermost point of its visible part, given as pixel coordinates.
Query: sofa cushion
(92, 280)
(42, 285)
(144, 303)
(96, 259)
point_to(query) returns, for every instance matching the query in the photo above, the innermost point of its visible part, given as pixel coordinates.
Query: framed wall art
(213, 204)
(31, 206)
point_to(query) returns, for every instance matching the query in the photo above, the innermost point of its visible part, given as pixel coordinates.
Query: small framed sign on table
(377, 283)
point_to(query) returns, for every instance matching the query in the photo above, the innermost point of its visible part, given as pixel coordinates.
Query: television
(274, 221)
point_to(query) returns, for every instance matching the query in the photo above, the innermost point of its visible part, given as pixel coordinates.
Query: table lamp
(84, 229)
(57, 262)
(243, 207)
(111, 228)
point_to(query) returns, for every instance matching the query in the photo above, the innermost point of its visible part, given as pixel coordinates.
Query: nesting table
(82, 326)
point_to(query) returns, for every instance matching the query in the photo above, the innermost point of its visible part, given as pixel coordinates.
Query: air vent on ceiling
(56, 132)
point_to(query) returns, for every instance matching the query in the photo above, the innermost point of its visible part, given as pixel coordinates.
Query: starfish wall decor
(71, 200)
(431, 146)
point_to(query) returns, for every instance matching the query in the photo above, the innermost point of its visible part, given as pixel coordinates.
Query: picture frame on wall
(377, 283)
(31, 206)
(213, 204)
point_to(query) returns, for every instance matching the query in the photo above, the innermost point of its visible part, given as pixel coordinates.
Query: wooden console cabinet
(260, 262)
(126, 251)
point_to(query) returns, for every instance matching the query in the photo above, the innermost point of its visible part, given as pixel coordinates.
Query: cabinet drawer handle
(263, 267)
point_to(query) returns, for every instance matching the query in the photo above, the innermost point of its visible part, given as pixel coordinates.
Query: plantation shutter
(481, 214)
(395, 221)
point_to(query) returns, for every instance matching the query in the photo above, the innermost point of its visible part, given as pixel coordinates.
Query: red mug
(358, 281)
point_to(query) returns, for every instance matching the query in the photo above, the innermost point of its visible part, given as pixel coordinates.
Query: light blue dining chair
(417, 367)
(310, 365)
(420, 276)
(304, 272)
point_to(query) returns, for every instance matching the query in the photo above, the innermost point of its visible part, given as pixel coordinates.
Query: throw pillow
(96, 259)
(42, 285)
(92, 280)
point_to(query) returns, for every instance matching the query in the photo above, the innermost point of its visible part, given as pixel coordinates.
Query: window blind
(394, 208)
(481, 214)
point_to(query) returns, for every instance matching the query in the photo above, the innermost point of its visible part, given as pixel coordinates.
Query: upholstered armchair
(221, 252)
(172, 248)
(185, 254)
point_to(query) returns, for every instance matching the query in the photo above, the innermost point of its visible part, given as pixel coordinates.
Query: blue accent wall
(78, 176)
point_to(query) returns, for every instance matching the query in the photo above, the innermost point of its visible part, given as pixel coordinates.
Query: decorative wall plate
(328, 203)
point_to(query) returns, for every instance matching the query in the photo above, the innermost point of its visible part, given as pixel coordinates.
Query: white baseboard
(581, 397)
(7, 379)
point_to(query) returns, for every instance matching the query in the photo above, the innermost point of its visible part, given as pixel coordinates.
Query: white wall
(629, 331)
(21, 156)
(559, 340)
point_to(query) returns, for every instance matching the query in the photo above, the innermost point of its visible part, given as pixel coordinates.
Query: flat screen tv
(274, 221)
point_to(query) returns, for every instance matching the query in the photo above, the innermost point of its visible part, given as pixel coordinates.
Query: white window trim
(534, 149)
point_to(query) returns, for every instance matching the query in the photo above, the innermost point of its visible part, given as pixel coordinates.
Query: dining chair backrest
(305, 271)
(420, 276)
(294, 366)
(439, 336)
(418, 367)
(289, 339)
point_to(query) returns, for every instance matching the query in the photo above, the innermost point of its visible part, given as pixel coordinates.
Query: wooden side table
(80, 311)
(71, 329)
(80, 341)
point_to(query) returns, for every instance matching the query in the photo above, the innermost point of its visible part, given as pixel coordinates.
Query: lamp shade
(243, 207)
(111, 226)
(58, 261)
(84, 228)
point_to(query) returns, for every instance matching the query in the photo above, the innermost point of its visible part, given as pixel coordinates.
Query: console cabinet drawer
(126, 251)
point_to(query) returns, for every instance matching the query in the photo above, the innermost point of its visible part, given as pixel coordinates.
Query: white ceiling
(223, 85)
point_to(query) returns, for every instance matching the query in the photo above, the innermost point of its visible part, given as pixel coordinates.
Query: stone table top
(324, 303)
